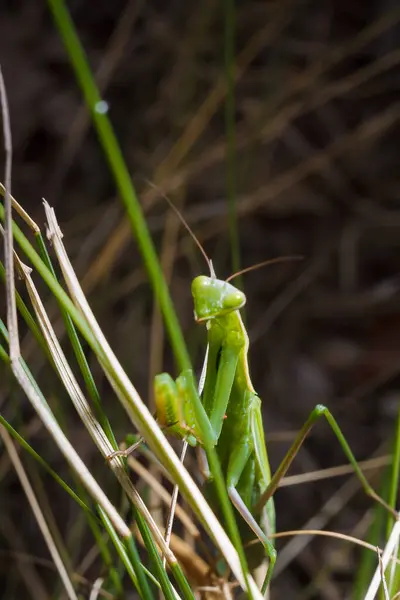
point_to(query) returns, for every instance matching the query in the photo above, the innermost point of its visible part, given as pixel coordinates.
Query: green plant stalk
(394, 481)
(113, 575)
(181, 581)
(121, 550)
(230, 128)
(229, 516)
(130, 557)
(55, 288)
(4, 333)
(122, 178)
(4, 356)
(368, 561)
(159, 569)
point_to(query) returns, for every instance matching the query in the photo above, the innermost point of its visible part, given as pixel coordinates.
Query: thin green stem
(230, 128)
(158, 567)
(114, 576)
(3, 355)
(121, 175)
(130, 558)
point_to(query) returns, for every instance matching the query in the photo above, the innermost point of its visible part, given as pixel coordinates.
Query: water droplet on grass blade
(101, 107)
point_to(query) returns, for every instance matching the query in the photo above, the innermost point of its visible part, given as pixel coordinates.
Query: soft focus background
(317, 174)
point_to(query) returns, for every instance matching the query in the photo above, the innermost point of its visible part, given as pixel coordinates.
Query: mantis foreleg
(175, 493)
(218, 383)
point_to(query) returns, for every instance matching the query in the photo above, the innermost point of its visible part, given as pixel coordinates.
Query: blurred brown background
(317, 138)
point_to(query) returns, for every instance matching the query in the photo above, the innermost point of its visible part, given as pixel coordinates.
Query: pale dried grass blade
(41, 521)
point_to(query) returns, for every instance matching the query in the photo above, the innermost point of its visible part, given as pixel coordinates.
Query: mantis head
(215, 298)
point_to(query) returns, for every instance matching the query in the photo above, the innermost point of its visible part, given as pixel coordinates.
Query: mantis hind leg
(318, 412)
(269, 548)
(241, 465)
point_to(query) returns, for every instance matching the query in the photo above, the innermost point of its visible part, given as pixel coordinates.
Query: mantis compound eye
(234, 299)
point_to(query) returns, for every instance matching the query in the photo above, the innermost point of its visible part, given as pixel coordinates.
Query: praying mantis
(231, 411)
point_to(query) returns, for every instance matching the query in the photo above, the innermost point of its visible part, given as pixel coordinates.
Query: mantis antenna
(271, 261)
(174, 498)
(187, 227)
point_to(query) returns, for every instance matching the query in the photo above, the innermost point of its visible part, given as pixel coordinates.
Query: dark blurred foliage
(317, 138)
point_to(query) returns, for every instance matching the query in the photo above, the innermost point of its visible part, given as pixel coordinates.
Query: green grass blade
(122, 177)
(368, 560)
(155, 559)
(3, 355)
(130, 559)
(114, 577)
(228, 512)
(230, 129)
(182, 581)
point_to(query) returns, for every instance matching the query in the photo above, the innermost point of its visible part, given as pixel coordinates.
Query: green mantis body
(233, 415)
(231, 405)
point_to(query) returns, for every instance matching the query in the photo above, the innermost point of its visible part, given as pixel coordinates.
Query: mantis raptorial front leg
(175, 493)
